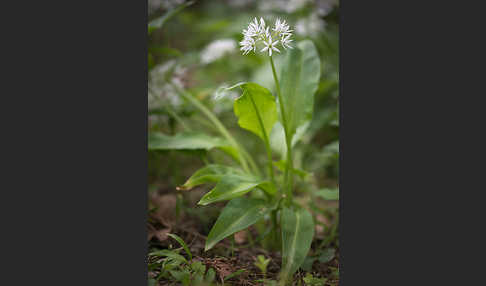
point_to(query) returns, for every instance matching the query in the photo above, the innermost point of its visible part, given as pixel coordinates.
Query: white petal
(270, 52)
(264, 49)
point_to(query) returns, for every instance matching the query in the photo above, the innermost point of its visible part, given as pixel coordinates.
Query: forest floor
(230, 257)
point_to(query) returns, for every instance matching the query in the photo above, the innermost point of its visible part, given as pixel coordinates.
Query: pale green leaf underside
(299, 81)
(184, 141)
(297, 234)
(237, 215)
(232, 186)
(277, 137)
(265, 104)
(210, 174)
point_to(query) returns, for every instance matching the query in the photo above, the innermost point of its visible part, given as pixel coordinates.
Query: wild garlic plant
(256, 109)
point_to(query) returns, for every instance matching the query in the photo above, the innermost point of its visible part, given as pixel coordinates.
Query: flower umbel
(258, 33)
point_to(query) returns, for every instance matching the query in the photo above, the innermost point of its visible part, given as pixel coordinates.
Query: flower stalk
(288, 176)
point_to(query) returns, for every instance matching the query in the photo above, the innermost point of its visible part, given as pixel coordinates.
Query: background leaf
(232, 186)
(328, 194)
(297, 234)
(299, 81)
(184, 141)
(238, 214)
(182, 243)
(160, 21)
(265, 104)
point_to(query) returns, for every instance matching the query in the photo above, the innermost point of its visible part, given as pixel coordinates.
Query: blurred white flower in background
(160, 90)
(217, 49)
(323, 7)
(310, 26)
(240, 3)
(259, 33)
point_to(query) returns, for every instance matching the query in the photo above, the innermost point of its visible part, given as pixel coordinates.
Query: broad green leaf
(160, 21)
(182, 243)
(299, 81)
(297, 234)
(184, 141)
(234, 274)
(264, 102)
(232, 186)
(237, 215)
(208, 174)
(328, 194)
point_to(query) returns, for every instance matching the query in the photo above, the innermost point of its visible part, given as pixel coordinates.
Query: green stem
(177, 118)
(267, 142)
(288, 177)
(243, 154)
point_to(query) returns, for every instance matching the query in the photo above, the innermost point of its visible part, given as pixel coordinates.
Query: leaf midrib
(292, 253)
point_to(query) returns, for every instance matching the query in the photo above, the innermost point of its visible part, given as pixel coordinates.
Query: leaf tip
(208, 246)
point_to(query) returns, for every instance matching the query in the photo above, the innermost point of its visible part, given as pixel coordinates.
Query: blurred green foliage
(197, 49)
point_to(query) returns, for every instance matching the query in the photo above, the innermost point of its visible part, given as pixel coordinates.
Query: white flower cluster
(258, 32)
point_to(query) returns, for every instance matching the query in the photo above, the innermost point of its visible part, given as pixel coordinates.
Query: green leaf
(234, 274)
(198, 267)
(232, 186)
(311, 280)
(182, 243)
(181, 276)
(328, 194)
(262, 263)
(237, 215)
(299, 81)
(160, 21)
(264, 102)
(168, 253)
(297, 234)
(301, 173)
(209, 174)
(184, 141)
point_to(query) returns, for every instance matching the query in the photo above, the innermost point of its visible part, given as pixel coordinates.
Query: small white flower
(258, 33)
(269, 45)
(248, 45)
(282, 28)
(286, 41)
